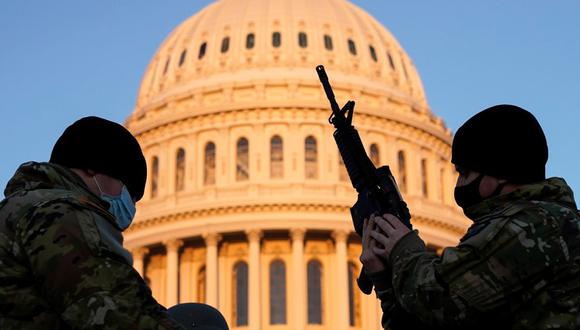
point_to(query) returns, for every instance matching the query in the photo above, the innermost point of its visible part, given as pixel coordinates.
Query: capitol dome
(247, 202)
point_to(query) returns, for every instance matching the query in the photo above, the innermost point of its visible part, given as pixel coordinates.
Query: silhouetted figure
(518, 265)
(62, 261)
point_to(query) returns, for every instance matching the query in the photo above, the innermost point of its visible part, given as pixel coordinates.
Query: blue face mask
(122, 206)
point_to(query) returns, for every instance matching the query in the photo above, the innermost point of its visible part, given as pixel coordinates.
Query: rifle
(377, 189)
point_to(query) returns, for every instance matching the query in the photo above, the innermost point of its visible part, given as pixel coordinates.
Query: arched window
(209, 164)
(373, 53)
(242, 160)
(200, 285)
(202, 50)
(277, 292)
(240, 300)
(276, 39)
(402, 179)
(154, 176)
(424, 177)
(311, 158)
(342, 172)
(391, 62)
(374, 154)
(182, 57)
(314, 274)
(328, 42)
(180, 170)
(250, 40)
(276, 157)
(166, 66)
(351, 47)
(353, 296)
(225, 44)
(302, 40)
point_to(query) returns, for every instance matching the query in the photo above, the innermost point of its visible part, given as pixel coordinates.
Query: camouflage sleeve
(394, 316)
(482, 279)
(384, 292)
(89, 285)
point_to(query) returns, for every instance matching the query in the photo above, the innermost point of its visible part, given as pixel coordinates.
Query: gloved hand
(372, 261)
(388, 231)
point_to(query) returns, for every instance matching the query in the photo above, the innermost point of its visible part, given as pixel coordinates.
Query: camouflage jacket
(62, 263)
(517, 267)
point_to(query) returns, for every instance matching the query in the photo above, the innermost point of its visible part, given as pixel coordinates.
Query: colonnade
(254, 236)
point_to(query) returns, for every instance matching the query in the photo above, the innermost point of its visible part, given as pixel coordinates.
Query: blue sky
(61, 60)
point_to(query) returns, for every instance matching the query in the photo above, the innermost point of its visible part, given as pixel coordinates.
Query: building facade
(247, 201)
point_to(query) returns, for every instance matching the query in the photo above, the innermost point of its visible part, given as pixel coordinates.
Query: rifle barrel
(327, 89)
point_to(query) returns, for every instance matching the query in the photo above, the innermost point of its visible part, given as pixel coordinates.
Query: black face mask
(468, 195)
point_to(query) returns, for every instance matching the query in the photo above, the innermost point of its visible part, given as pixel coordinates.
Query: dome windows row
(277, 162)
(276, 42)
(242, 163)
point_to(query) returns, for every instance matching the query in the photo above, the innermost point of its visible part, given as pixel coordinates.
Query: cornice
(273, 208)
(234, 209)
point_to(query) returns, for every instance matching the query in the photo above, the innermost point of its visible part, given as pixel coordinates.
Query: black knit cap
(504, 141)
(105, 147)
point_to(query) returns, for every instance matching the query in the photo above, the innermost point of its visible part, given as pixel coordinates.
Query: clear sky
(61, 60)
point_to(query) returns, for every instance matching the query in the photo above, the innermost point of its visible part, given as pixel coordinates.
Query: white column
(171, 286)
(211, 242)
(185, 276)
(300, 304)
(254, 306)
(138, 259)
(340, 237)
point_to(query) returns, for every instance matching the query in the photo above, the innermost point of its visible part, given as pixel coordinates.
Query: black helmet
(504, 141)
(198, 316)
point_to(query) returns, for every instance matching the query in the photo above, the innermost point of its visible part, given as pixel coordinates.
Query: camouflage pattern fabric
(62, 263)
(517, 267)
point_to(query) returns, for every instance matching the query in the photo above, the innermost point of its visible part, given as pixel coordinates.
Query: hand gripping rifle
(377, 190)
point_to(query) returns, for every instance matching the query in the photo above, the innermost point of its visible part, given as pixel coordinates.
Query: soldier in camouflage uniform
(518, 265)
(62, 262)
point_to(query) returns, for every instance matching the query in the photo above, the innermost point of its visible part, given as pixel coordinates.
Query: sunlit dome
(256, 42)
(245, 180)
